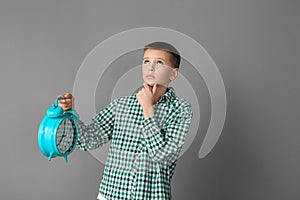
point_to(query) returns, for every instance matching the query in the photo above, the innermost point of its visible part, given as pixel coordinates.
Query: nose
(151, 67)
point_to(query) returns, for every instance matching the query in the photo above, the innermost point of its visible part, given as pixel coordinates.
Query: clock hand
(64, 123)
(61, 139)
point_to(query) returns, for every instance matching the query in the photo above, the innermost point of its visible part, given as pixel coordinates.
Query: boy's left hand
(146, 99)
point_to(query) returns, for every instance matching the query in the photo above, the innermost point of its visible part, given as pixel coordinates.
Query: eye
(146, 62)
(160, 62)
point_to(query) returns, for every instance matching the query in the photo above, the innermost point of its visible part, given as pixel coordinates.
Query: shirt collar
(168, 96)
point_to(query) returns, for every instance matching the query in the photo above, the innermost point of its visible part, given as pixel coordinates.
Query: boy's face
(157, 67)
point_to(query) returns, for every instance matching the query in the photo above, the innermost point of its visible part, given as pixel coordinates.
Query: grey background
(254, 43)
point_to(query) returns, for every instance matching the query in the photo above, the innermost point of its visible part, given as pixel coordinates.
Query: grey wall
(255, 44)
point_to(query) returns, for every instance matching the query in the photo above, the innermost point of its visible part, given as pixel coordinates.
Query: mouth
(150, 76)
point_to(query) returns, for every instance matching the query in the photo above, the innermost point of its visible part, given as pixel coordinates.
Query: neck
(160, 91)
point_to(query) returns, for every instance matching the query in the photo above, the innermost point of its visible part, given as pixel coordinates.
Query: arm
(99, 131)
(165, 144)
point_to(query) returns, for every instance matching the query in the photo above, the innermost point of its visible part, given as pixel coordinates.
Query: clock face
(66, 136)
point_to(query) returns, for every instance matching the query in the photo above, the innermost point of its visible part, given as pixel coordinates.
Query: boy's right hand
(67, 103)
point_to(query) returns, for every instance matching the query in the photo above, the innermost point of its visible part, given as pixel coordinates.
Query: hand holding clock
(66, 104)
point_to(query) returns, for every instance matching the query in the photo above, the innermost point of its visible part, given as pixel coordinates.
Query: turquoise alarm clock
(58, 132)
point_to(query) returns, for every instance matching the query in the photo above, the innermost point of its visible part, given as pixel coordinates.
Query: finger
(67, 100)
(60, 96)
(147, 87)
(68, 96)
(154, 88)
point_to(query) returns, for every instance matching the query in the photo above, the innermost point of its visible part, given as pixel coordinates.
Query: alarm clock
(58, 132)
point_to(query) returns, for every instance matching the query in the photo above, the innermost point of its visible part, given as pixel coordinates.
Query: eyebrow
(156, 58)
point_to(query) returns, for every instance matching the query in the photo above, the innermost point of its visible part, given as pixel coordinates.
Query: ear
(174, 74)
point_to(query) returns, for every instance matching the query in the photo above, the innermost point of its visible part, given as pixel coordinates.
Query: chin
(151, 83)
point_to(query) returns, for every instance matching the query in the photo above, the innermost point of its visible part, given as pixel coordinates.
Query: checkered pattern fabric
(143, 152)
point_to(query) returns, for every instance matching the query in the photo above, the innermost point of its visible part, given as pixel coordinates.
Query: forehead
(156, 53)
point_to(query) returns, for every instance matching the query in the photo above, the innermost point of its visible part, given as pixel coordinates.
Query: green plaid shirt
(143, 152)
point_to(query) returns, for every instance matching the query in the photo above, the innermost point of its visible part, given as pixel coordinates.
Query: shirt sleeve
(99, 131)
(165, 144)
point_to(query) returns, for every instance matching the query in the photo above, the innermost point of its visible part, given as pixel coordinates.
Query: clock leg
(66, 159)
(50, 156)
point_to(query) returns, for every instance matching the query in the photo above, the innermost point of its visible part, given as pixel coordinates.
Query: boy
(146, 129)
